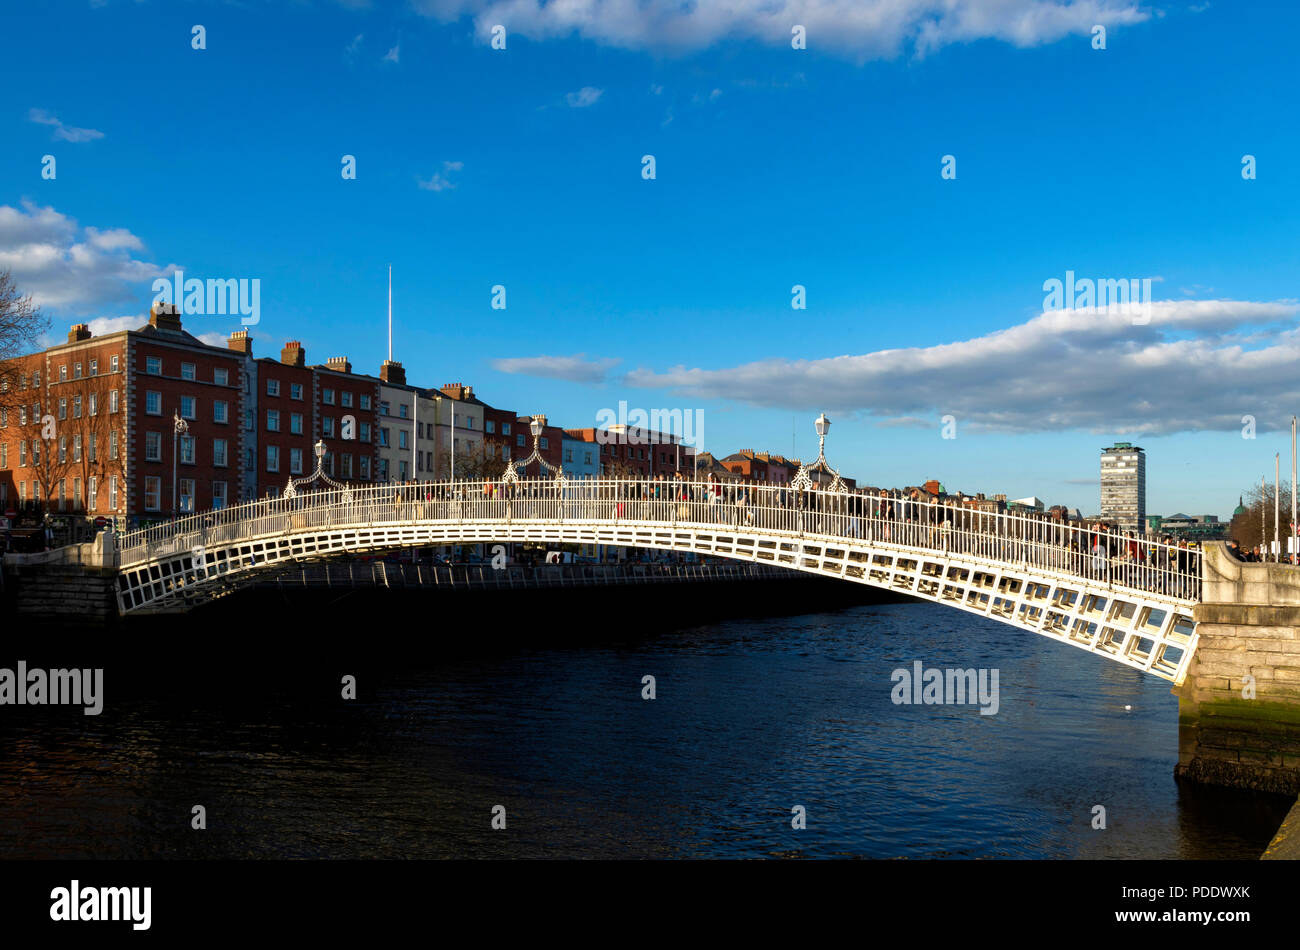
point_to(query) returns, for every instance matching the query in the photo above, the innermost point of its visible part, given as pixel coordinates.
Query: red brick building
(89, 427)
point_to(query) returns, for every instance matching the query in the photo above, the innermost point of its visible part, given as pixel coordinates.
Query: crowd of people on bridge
(886, 517)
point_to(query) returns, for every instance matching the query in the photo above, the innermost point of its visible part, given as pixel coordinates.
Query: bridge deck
(1123, 597)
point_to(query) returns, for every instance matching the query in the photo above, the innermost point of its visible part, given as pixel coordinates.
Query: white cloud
(577, 368)
(862, 28)
(65, 133)
(584, 97)
(1194, 366)
(350, 51)
(394, 54)
(440, 181)
(65, 266)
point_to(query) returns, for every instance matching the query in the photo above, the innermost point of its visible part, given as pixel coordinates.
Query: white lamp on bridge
(536, 425)
(803, 480)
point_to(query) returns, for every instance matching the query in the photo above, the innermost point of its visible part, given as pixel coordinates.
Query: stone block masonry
(1239, 704)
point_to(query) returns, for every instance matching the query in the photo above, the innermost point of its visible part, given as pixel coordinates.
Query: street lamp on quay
(179, 428)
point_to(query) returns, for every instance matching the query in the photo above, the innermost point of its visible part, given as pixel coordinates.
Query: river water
(751, 717)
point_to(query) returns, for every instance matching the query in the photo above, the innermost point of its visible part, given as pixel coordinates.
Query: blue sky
(775, 167)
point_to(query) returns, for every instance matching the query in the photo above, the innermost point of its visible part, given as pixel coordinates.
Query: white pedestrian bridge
(1116, 595)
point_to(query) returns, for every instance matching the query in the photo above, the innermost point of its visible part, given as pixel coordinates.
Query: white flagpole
(1277, 478)
(390, 313)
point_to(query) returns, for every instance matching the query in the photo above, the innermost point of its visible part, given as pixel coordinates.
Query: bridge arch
(1132, 605)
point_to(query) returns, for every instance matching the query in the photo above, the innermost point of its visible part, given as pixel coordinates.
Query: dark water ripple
(751, 718)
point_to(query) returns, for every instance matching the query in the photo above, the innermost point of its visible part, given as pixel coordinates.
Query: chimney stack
(339, 364)
(165, 316)
(240, 343)
(79, 332)
(391, 372)
(293, 354)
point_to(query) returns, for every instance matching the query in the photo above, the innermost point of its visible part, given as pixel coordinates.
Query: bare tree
(1255, 527)
(21, 325)
(475, 463)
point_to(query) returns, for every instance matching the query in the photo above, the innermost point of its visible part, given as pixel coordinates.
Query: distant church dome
(1240, 509)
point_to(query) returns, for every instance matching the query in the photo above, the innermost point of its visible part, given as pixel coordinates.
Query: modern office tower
(1124, 486)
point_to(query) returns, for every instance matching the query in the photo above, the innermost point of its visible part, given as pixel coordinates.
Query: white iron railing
(1112, 558)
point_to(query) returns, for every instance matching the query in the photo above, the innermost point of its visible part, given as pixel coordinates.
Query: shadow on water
(768, 695)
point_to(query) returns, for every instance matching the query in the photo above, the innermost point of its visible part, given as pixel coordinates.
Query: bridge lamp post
(179, 428)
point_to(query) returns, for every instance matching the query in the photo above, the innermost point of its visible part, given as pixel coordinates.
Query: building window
(94, 367)
(63, 408)
(187, 450)
(218, 495)
(112, 444)
(327, 427)
(295, 461)
(76, 447)
(153, 365)
(365, 432)
(4, 455)
(489, 426)
(91, 444)
(189, 407)
(76, 406)
(295, 423)
(402, 440)
(63, 449)
(220, 410)
(295, 391)
(383, 438)
(365, 401)
(273, 387)
(469, 422)
(273, 458)
(186, 489)
(187, 371)
(327, 397)
(153, 403)
(153, 446)
(383, 409)
(403, 411)
(63, 373)
(76, 371)
(112, 492)
(22, 454)
(93, 408)
(219, 452)
(568, 455)
(519, 440)
(112, 363)
(112, 400)
(221, 377)
(365, 466)
(63, 493)
(543, 444)
(586, 458)
(152, 493)
(273, 420)
(345, 465)
(346, 399)
(76, 493)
